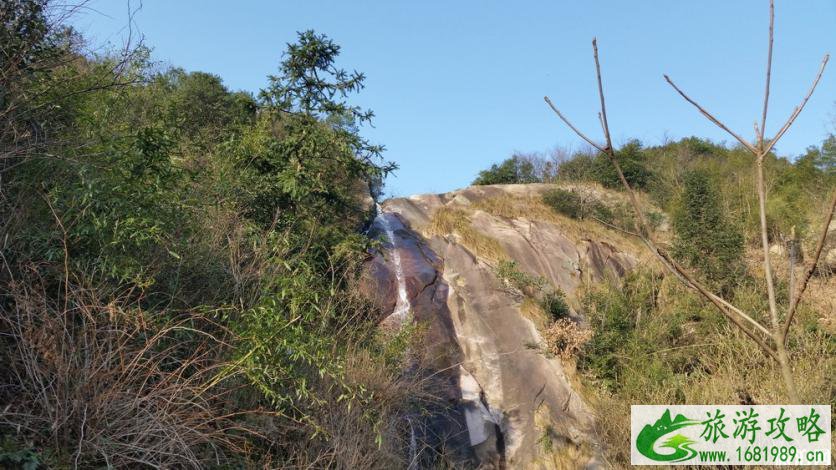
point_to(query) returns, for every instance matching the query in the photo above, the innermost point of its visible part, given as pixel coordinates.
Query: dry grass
(102, 384)
(533, 208)
(565, 337)
(96, 389)
(448, 221)
(728, 383)
(556, 451)
(530, 308)
(724, 367)
(403, 402)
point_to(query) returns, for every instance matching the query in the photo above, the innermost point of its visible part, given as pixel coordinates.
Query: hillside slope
(519, 402)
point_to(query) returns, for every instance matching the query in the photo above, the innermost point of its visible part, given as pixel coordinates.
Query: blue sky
(458, 85)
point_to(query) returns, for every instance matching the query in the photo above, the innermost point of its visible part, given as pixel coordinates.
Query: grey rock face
(511, 396)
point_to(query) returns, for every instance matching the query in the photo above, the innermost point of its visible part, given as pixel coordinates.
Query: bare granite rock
(510, 394)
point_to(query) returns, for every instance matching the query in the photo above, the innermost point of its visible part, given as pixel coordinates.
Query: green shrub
(625, 328)
(514, 170)
(705, 238)
(564, 202)
(608, 313)
(509, 273)
(555, 306)
(633, 164)
(580, 167)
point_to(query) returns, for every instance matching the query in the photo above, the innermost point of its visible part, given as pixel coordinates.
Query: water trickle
(402, 304)
(401, 313)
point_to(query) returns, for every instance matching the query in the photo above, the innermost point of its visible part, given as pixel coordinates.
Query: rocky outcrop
(519, 405)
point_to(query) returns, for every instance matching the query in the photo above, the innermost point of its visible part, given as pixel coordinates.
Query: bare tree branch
(563, 118)
(767, 264)
(811, 268)
(711, 118)
(798, 108)
(601, 94)
(759, 133)
(734, 314)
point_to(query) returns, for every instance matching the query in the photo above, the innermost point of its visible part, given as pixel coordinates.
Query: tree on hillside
(632, 167)
(827, 159)
(307, 153)
(514, 170)
(200, 101)
(705, 239)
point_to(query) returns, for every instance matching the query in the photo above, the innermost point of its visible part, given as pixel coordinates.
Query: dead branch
(760, 132)
(571, 126)
(711, 117)
(798, 108)
(811, 268)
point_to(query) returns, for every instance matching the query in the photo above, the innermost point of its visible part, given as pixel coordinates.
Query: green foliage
(600, 169)
(621, 343)
(124, 207)
(825, 161)
(555, 306)
(573, 205)
(25, 459)
(568, 203)
(633, 165)
(552, 300)
(509, 272)
(609, 314)
(580, 167)
(306, 159)
(168, 189)
(705, 239)
(514, 170)
(13, 455)
(198, 103)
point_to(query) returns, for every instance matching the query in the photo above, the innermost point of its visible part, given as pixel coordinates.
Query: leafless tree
(771, 340)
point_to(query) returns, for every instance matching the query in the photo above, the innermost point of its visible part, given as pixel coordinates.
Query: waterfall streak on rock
(402, 305)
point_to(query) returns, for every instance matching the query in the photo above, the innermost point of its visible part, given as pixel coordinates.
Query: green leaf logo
(680, 444)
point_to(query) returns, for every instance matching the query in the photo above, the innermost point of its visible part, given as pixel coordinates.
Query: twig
(710, 117)
(563, 118)
(66, 250)
(811, 268)
(601, 94)
(798, 108)
(759, 133)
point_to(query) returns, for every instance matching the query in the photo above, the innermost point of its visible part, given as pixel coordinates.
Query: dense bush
(579, 167)
(515, 170)
(705, 237)
(555, 306)
(204, 255)
(574, 205)
(568, 203)
(633, 164)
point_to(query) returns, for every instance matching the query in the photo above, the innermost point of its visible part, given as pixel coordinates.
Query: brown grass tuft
(448, 221)
(99, 390)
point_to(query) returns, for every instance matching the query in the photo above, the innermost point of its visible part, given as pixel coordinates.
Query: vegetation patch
(654, 341)
(448, 221)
